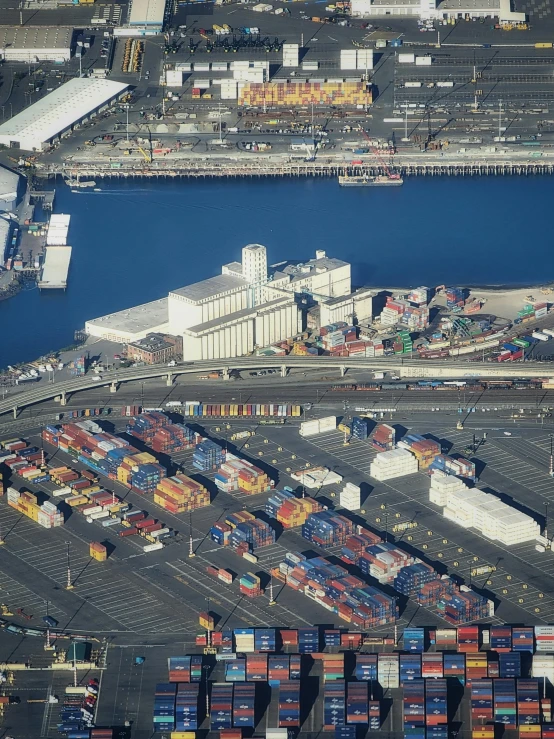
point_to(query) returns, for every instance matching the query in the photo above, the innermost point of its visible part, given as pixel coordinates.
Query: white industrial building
(146, 16)
(54, 116)
(9, 186)
(442, 10)
(354, 307)
(234, 313)
(34, 44)
(473, 508)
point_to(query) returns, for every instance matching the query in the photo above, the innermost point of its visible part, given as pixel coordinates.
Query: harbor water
(134, 241)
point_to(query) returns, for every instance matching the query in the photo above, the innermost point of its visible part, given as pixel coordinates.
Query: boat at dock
(370, 181)
(81, 183)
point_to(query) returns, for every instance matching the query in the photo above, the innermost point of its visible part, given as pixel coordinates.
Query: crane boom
(377, 155)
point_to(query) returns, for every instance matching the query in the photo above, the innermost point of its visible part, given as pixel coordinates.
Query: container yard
(374, 580)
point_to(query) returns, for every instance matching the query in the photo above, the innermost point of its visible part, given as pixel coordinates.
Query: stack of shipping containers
(289, 510)
(505, 705)
(244, 704)
(221, 706)
(208, 456)
(289, 704)
(356, 703)
(186, 707)
(413, 711)
(410, 667)
(334, 705)
(384, 437)
(327, 529)
(164, 707)
(256, 667)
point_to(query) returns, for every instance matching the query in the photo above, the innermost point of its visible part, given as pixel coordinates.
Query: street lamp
(546, 516)
(551, 470)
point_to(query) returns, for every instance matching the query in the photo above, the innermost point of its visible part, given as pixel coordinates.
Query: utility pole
(272, 601)
(551, 470)
(191, 550)
(546, 520)
(69, 585)
(48, 645)
(127, 111)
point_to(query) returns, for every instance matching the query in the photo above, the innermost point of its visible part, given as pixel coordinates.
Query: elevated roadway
(403, 368)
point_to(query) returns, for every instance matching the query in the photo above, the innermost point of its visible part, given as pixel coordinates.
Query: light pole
(69, 585)
(546, 520)
(551, 470)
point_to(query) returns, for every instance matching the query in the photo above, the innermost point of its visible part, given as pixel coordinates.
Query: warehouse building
(234, 313)
(155, 349)
(57, 114)
(147, 15)
(11, 184)
(34, 44)
(444, 10)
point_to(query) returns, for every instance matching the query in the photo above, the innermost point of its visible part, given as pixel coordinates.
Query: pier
(56, 268)
(324, 168)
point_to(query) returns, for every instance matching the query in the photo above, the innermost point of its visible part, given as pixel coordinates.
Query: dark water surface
(132, 242)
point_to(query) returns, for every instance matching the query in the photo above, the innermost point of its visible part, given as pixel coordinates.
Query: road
(405, 368)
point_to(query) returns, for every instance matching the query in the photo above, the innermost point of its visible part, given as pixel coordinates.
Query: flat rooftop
(9, 182)
(60, 109)
(147, 12)
(147, 316)
(34, 37)
(210, 288)
(306, 269)
(56, 267)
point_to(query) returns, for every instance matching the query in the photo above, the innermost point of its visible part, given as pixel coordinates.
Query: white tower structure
(254, 271)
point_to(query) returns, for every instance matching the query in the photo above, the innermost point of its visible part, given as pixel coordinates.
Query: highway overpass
(408, 368)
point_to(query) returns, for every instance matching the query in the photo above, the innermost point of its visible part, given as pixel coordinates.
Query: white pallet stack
(350, 497)
(443, 484)
(396, 463)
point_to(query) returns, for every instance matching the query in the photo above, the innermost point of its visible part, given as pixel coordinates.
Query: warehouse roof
(146, 12)
(34, 37)
(9, 182)
(135, 320)
(211, 287)
(60, 109)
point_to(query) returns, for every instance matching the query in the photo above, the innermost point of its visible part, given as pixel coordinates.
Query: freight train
(445, 385)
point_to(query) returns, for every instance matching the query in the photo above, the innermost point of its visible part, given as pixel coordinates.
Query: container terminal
(307, 520)
(160, 90)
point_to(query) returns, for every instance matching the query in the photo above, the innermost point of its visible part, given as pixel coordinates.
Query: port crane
(377, 155)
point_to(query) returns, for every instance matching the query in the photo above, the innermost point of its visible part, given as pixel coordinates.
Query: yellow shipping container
(183, 735)
(296, 410)
(544, 45)
(76, 500)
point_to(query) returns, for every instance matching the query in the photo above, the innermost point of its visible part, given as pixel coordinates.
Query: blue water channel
(133, 242)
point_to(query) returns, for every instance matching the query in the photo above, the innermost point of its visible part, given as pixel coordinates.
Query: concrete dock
(56, 268)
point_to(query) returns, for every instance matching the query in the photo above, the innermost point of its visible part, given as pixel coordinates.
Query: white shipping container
(406, 58)
(62, 491)
(184, 66)
(364, 59)
(445, 84)
(423, 61)
(201, 84)
(412, 84)
(548, 331)
(540, 336)
(174, 78)
(327, 424)
(201, 66)
(153, 547)
(219, 66)
(308, 428)
(159, 532)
